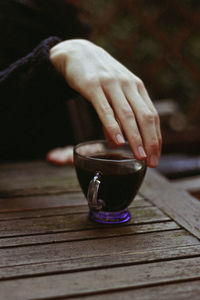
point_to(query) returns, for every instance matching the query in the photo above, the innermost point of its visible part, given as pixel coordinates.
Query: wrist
(58, 58)
(63, 51)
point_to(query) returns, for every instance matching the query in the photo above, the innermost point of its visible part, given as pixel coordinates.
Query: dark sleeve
(33, 116)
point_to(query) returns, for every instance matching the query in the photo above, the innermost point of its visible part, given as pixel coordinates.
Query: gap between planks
(67, 205)
(103, 280)
(87, 234)
(73, 222)
(136, 245)
(100, 261)
(181, 290)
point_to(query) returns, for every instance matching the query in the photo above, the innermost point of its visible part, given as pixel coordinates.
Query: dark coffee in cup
(117, 188)
(109, 178)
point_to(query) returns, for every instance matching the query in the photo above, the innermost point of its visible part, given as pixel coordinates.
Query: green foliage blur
(157, 40)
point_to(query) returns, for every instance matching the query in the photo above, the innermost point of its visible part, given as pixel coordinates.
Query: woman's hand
(118, 96)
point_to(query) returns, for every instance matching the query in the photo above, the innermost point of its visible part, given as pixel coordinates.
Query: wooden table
(50, 250)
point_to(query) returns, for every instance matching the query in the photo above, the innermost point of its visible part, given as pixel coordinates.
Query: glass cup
(109, 178)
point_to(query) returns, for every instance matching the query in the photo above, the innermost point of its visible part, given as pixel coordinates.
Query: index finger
(106, 115)
(144, 94)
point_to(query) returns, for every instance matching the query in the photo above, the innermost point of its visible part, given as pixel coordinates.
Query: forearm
(35, 69)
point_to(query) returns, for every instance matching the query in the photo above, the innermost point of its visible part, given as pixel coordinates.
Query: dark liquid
(110, 156)
(117, 189)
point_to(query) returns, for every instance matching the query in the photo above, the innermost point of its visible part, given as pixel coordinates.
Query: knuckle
(127, 112)
(160, 139)
(154, 145)
(105, 109)
(107, 79)
(149, 117)
(90, 82)
(112, 128)
(157, 119)
(126, 81)
(136, 139)
(156, 116)
(140, 84)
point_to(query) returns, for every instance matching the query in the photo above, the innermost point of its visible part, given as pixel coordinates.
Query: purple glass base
(110, 217)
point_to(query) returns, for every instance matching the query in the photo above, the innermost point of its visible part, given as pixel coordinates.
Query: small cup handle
(92, 195)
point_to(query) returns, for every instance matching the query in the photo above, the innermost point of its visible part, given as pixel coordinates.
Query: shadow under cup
(109, 178)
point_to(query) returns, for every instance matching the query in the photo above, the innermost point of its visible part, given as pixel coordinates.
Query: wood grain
(36, 178)
(99, 262)
(175, 203)
(174, 291)
(102, 280)
(29, 261)
(191, 184)
(87, 234)
(25, 206)
(95, 247)
(72, 221)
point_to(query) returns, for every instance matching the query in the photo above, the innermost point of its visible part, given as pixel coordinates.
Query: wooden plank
(102, 280)
(99, 253)
(36, 178)
(87, 234)
(39, 213)
(41, 202)
(73, 221)
(174, 291)
(191, 184)
(51, 204)
(176, 203)
(95, 247)
(90, 263)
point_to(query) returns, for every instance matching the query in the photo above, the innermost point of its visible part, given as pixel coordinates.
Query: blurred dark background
(158, 40)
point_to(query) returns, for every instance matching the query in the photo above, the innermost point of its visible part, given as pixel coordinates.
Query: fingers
(126, 117)
(148, 122)
(120, 104)
(106, 115)
(143, 92)
(110, 103)
(110, 141)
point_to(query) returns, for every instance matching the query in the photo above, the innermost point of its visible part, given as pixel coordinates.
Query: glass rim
(87, 157)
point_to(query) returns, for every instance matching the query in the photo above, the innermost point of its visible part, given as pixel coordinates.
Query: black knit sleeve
(32, 105)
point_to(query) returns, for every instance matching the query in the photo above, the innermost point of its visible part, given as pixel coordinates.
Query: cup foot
(110, 217)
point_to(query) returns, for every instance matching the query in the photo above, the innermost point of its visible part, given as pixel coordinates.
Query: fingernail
(120, 139)
(142, 152)
(153, 161)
